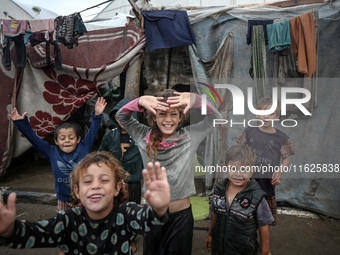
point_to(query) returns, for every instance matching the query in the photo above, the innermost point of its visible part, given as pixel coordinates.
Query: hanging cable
(96, 5)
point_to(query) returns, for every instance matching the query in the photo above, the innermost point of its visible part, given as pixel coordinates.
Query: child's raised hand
(187, 99)
(158, 189)
(100, 106)
(16, 116)
(153, 104)
(7, 217)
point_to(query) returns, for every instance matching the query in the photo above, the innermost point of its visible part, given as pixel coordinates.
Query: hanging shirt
(278, 36)
(167, 29)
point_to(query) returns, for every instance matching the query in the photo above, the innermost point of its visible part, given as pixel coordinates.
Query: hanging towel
(258, 62)
(167, 29)
(43, 26)
(278, 36)
(302, 32)
(263, 23)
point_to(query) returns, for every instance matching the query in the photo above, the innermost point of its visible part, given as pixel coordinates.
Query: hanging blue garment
(279, 36)
(167, 29)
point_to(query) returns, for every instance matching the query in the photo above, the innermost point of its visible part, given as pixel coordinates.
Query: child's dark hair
(268, 101)
(242, 153)
(99, 157)
(68, 124)
(156, 136)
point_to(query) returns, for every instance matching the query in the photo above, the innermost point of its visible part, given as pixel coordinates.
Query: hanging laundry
(167, 29)
(37, 38)
(69, 29)
(20, 50)
(12, 27)
(302, 32)
(258, 63)
(263, 23)
(46, 26)
(279, 36)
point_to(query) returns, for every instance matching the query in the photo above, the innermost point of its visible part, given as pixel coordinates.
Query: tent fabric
(314, 137)
(211, 61)
(51, 96)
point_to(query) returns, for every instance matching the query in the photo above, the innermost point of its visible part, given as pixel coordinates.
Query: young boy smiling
(239, 209)
(69, 151)
(105, 223)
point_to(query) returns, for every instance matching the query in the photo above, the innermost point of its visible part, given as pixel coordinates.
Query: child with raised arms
(69, 151)
(174, 147)
(105, 223)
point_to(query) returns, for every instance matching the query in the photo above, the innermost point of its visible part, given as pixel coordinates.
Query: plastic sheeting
(315, 138)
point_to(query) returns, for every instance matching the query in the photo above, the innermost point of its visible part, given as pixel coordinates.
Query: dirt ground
(293, 235)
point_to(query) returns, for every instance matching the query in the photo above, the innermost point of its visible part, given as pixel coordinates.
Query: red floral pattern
(43, 123)
(65, 93)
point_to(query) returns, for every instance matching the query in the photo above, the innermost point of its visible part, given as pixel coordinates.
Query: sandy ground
(293, 235)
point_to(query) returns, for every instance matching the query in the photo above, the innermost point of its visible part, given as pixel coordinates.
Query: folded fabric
(263, 23)
(302, 33)
(43, 26)
(278, 36)
(167, 29)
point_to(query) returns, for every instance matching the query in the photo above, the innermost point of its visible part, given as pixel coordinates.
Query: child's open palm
(16, 116)
(158, 189)
(7, 217)
(182, 99)
(100, 105)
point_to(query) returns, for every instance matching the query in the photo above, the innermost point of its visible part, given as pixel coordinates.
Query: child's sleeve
(37, 234)
(39, 144)
(91, 134)
(135, 129)
(287, 149)
(263, 213)
(141, 219)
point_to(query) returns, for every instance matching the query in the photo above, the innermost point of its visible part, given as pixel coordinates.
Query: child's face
(238, 173)
(67, 140)
(168, 121)
(265, 118)
(97, 189)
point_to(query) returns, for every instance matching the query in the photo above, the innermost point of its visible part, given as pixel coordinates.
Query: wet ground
(34, 181)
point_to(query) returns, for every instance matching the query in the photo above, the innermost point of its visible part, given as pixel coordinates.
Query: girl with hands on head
(174, 146)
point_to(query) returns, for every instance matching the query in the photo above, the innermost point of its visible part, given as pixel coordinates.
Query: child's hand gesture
(153, 104)
(100, 106)
(16, 116)
(7, 217)
(187, 99)
(158, 189)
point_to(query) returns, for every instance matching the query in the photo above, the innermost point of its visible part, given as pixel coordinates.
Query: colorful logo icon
(209, 93)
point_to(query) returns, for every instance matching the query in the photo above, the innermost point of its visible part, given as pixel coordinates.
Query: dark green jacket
(132, 160)
(235, 230)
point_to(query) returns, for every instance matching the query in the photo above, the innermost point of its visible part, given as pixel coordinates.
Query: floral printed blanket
(51, 96)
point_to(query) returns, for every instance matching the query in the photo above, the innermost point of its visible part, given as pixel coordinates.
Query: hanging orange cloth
(302, 33)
